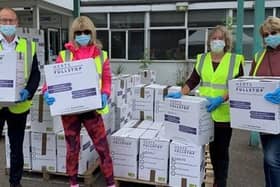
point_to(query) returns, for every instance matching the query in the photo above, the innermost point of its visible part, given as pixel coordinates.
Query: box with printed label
(186, 120)
(148, 76)
(160, 93)
(248, 108)
(26, 150)
(41, 119)
(11, 77)
(143, 102)
(74, 85)
(124, 151)
(153, 157)
(43, 147)
(186, 166)
(119, 86)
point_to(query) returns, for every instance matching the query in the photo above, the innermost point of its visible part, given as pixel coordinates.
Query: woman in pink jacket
(82, 45)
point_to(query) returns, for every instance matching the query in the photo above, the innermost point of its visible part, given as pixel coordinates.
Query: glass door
(53, 44)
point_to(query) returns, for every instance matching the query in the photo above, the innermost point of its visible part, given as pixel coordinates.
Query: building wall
(167, 36)
(68, 4)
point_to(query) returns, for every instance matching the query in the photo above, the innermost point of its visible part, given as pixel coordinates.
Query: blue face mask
(8, 30)
(83, 39)
(272, 40)
(217, 46)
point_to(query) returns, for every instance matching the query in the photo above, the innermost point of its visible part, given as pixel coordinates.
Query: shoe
(74, 185)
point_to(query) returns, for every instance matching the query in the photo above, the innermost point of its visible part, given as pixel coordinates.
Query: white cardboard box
(124, 151)
(143, 102)
(26, 150)
(74, 85)
(148, 76)
(187, 120)
(43, 147)
(153, 157)
(11, 77)
(248, 108)
(186, 166)
(160, 93)
(41, 119)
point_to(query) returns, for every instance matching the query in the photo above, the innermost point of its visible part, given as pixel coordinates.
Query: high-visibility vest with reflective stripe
(67, 56)
(27, 48)
(215, 83)
(258, 60)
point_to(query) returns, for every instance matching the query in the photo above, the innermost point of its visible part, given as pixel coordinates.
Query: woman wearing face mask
(212, 72)
(82, 45)
(266, 63)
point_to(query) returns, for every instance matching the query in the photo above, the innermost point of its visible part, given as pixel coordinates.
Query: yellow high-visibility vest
(67, 55)
(258, 60)
(215, 83)
(27, 48)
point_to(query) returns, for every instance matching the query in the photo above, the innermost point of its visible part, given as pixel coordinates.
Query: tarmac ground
(245, 167)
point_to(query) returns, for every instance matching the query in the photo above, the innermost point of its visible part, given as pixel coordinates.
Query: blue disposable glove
(49, 100)
(214, 102)
(175, 95)
(273, 97)
(24, 94)
(104, 99)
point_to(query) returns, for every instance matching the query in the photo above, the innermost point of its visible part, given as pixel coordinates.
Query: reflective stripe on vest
(215, 83)
(27, 48)
(258, 60)
(67, 56)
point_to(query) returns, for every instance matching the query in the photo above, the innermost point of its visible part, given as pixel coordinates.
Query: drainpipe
(259, 18)
(239, 27)
(76, 12)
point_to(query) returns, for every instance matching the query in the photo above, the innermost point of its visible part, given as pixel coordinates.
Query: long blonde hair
(80, 24)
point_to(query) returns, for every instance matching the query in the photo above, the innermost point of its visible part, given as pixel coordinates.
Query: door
(53, 44)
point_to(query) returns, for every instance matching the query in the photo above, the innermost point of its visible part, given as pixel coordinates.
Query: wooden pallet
(119, 180)
(86, 180)
(209, 173)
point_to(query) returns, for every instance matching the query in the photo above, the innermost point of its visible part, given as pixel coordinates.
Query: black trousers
(219, 152)
(16, 126)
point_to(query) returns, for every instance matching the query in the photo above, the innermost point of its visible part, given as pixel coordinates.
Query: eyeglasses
(6, 21)
(266, 34)
(82, 32)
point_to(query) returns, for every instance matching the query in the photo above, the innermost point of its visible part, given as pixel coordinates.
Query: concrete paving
(245, 167)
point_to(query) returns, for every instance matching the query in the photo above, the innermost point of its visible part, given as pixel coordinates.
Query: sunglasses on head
(266, 34)
(83, 32)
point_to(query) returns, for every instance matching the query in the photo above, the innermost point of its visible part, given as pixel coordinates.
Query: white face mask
(217, 46)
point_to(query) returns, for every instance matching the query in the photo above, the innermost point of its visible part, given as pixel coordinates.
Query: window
(99, 19)
(249, 15)
(196, 43)
(206, 18)
(135, 45)
(165, 44)
(247, 42)
(103, 37)
(126, 20)
(167, 19)
(118, 44)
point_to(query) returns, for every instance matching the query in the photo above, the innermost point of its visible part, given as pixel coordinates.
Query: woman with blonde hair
(82, 45)
(266, 63)
(212, 71)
